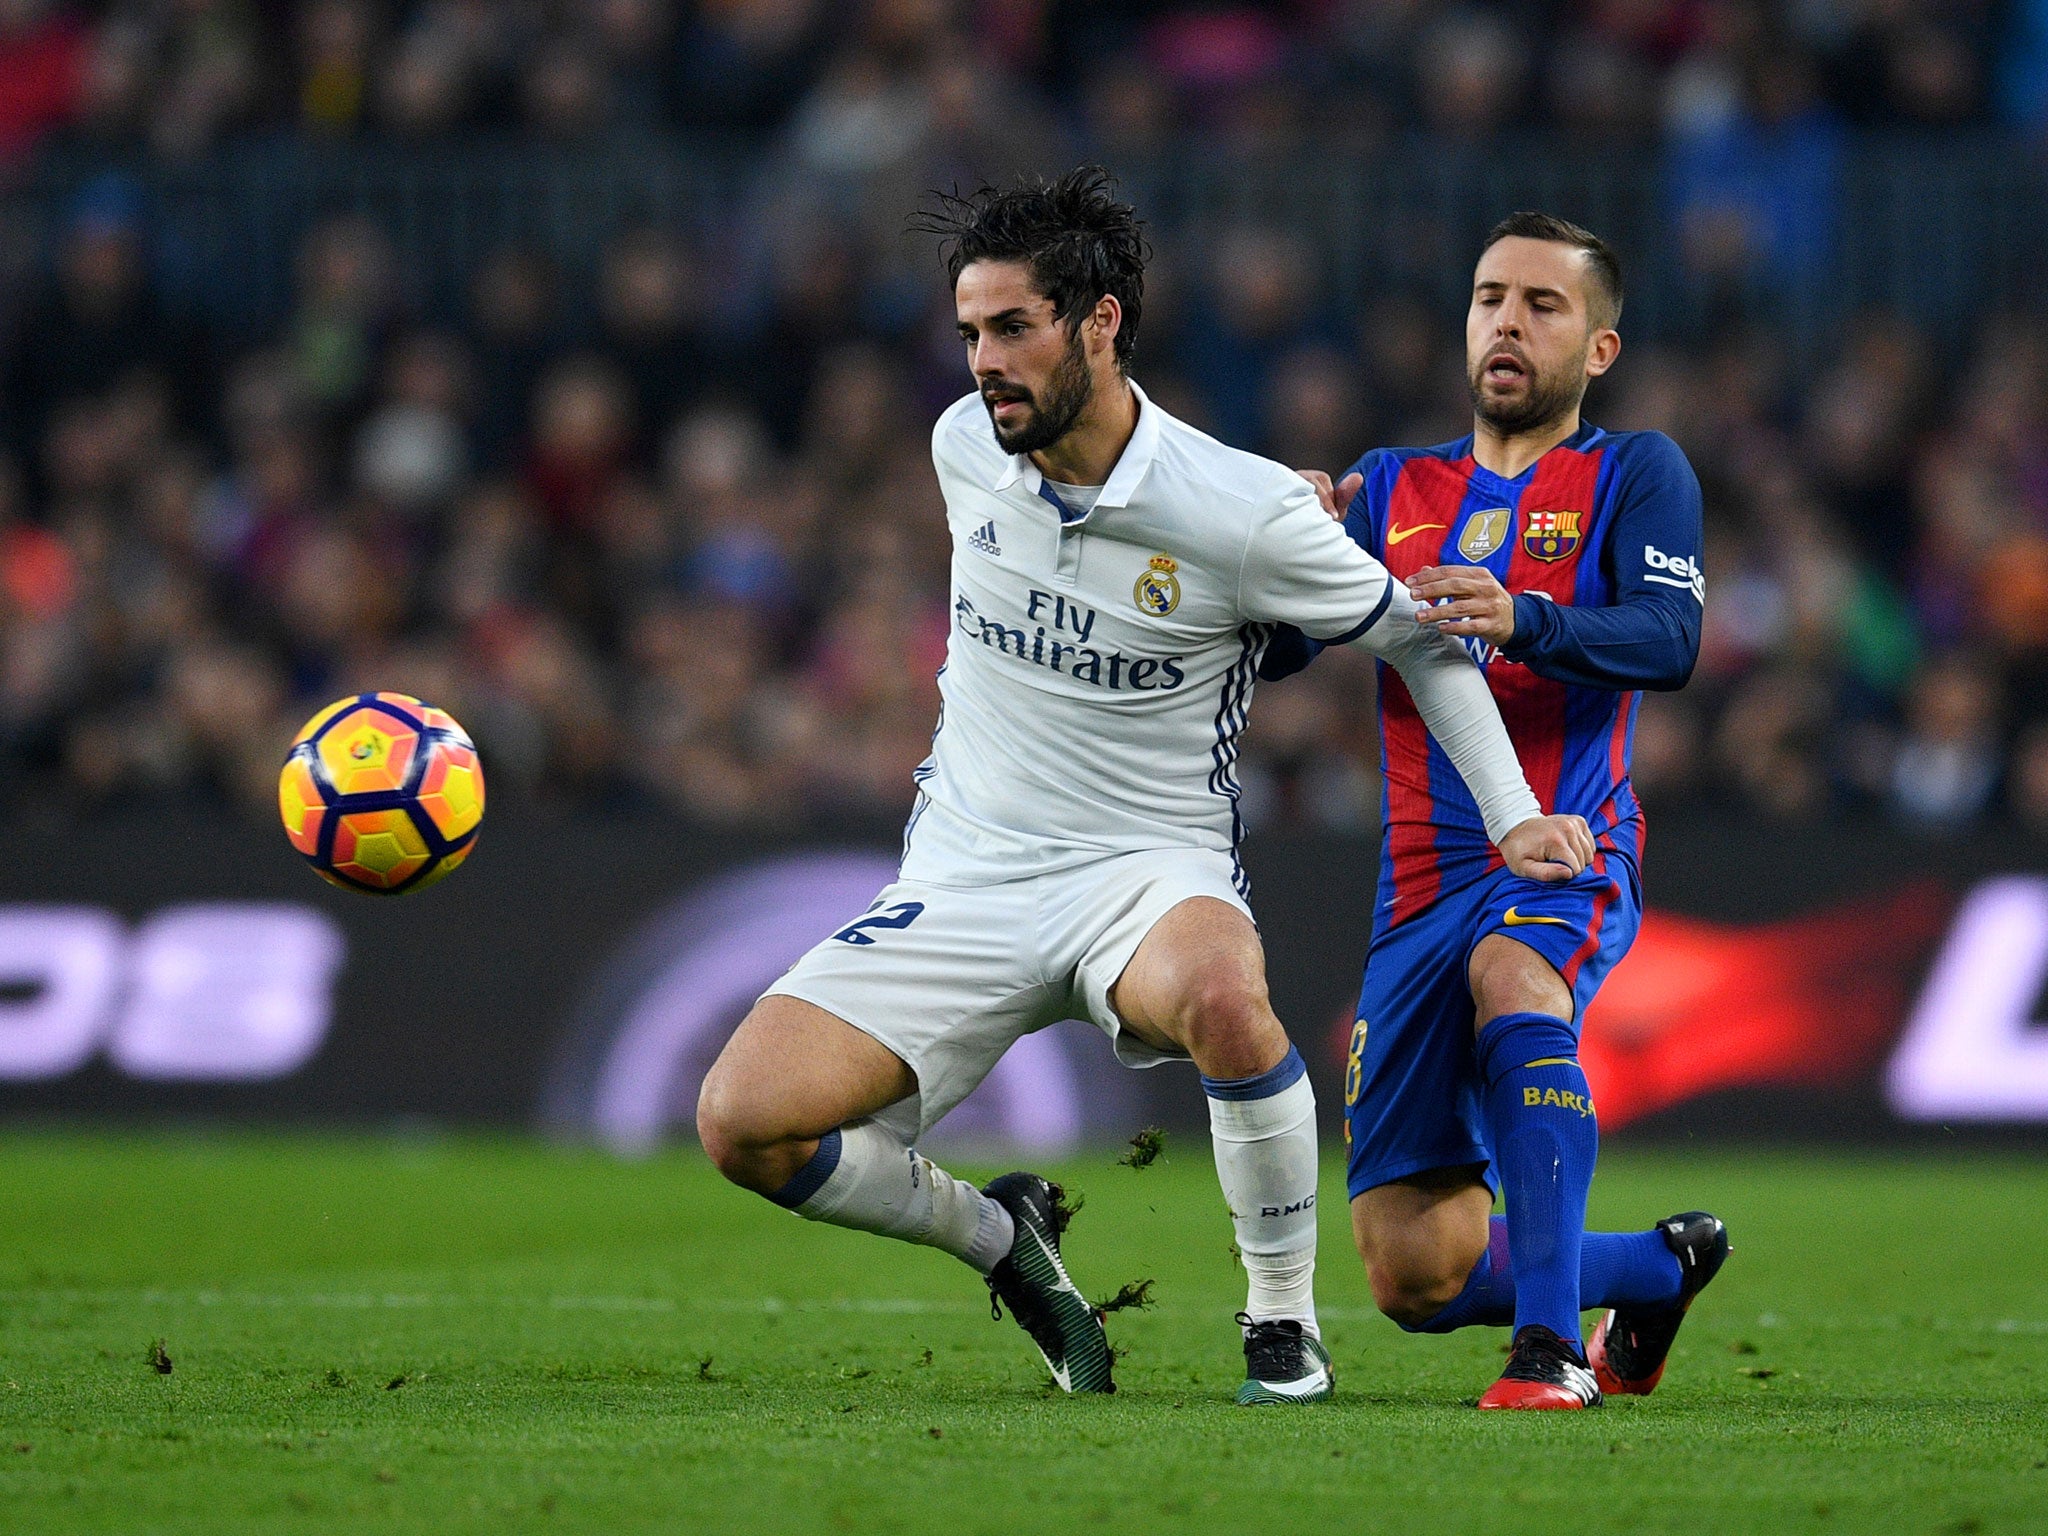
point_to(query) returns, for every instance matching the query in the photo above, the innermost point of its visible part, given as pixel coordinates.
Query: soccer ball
(382, 793)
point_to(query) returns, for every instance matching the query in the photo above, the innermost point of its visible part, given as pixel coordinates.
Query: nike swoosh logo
(1515, 919)
(1396, 535)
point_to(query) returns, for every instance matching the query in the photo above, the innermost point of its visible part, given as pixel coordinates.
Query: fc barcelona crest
(1551, 535)
(1484, 533)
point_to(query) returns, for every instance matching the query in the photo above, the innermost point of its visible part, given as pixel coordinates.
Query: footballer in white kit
(1073, 852)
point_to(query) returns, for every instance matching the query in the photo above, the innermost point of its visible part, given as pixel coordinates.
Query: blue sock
(1628, 1269)
(1539, 1117)
(1489, 1294)
(1616, 1269)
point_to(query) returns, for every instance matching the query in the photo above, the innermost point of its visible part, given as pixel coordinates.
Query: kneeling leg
(1429, 1251)
(1437, 1261)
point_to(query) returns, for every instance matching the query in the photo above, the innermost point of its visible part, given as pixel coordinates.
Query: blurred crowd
(666, 532)
(864, 80)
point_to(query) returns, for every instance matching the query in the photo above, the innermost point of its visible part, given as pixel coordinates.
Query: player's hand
(1478, 604)
(1336, 499)
(1548, 847)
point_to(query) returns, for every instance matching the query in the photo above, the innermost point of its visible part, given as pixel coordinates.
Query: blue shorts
(1411, 1078)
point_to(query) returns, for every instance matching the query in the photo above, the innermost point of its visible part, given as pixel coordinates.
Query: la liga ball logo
(382, 793)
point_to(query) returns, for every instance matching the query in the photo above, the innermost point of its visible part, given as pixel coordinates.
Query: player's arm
(1301, 568)
(1451, 695)
(1289, 651)
(1649, 637)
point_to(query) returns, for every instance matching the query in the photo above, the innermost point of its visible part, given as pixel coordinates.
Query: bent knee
(731, 1126)
(1413, 1278)
(1228, 1012)
(717, 1134)
(1411, 1294)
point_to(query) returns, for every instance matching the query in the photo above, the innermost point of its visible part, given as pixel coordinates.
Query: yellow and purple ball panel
(301, 804)
(365, 751)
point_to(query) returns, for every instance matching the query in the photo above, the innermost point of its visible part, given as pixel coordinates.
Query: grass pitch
(492, 1336)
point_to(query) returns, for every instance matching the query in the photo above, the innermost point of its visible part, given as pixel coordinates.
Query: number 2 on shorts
(902, 915)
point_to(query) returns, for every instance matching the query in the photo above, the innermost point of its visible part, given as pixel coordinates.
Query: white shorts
(950, 977)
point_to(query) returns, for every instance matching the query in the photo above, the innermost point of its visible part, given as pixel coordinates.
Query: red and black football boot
(1630, 1345)
(1543, 1372)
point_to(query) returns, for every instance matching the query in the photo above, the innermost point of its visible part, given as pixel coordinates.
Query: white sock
(877, 1184)
(1266, 1159)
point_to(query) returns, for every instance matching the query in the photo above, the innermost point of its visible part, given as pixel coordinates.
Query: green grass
(491, 1336)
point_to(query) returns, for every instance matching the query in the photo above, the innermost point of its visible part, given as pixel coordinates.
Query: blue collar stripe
(1067, 513)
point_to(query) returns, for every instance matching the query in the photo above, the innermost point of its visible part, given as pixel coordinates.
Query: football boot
(1543, 1372)
(1033, 1283)
(1283, 1363)
(1629, 1346)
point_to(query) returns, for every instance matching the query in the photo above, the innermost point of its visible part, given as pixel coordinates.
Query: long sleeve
(1451, 695)
(1302, 569)
(1649, 637)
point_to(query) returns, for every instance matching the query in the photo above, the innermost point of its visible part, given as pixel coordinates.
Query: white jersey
(1100, 665)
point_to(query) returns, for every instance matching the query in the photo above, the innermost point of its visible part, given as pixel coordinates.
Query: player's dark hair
(1600, 258)
(1078, 240)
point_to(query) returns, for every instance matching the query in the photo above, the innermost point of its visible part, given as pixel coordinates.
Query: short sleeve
(1302, 568)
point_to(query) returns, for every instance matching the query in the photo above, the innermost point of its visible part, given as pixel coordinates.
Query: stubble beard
(1549, 400)
(1053, 415)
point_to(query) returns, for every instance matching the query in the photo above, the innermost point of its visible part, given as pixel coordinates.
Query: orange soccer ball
(382, 793)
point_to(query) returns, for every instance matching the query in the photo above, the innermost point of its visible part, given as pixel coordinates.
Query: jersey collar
(1123, 480)
(1586, 436)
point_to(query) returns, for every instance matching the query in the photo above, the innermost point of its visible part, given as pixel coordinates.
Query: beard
(1067, 394)
(1548, 401)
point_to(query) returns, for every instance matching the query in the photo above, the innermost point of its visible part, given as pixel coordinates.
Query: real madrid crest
(1484, 533)
(1551, 535)
(1158, 590)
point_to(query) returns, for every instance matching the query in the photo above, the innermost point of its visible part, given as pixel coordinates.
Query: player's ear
(1602, 351)
(1106, 319)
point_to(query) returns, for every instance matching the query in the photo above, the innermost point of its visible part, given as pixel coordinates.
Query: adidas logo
(984, 538)
(1581, 1383)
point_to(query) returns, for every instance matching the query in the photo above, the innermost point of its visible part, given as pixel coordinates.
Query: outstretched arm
(1648, 639)
(1451, 695)
(1302, 568)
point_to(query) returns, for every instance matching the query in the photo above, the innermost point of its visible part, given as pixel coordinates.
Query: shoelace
(1269, 1346)
(1548, 1348)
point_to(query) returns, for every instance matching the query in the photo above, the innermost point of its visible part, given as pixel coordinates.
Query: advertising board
(581, 974)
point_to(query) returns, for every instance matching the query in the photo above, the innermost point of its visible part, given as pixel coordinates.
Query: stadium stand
(570, 366)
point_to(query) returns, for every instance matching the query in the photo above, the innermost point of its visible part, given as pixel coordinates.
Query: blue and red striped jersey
(1599, 540)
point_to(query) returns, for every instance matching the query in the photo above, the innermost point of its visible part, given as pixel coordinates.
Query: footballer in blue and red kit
(1585, 564)
(1599, 542)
